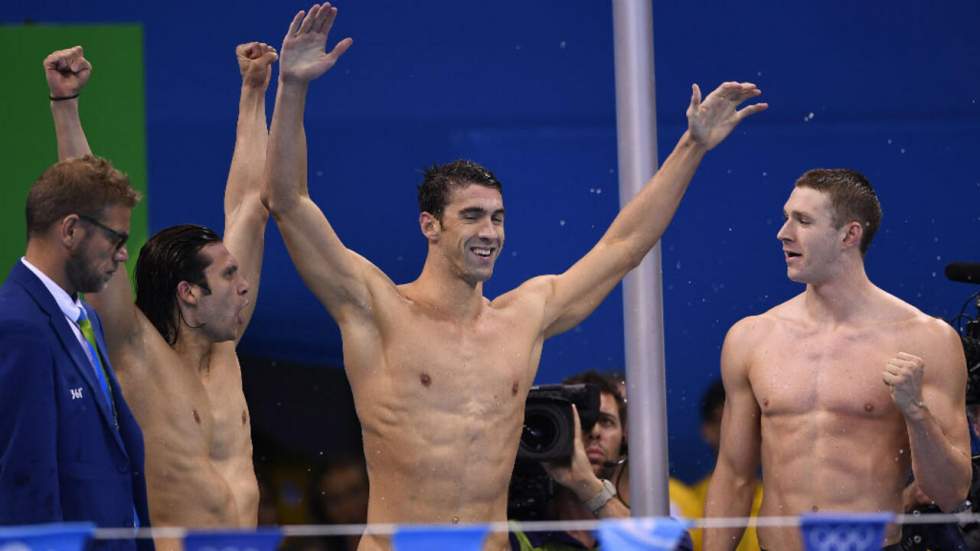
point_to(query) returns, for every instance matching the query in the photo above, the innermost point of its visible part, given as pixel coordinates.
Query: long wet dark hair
(169, 257)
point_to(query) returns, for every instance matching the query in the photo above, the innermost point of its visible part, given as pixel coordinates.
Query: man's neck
(441, 288)
(841, 298)
(52, 264)
(194, 349)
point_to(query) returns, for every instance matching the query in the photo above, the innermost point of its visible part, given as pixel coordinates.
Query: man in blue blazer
(70, 449)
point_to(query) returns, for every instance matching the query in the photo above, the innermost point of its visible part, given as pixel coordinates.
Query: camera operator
(586, 487)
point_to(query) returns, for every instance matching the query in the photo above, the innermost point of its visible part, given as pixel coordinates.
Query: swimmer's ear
(430, 225)
(853, 232)
(186, 293)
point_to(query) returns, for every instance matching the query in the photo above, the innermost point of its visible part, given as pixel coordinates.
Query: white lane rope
(327, 530)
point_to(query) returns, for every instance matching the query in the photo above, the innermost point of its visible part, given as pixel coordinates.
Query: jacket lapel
(71, 346)
(110, 373)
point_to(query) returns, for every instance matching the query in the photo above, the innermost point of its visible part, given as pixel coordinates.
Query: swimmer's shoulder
(929, 335)
(893, 310)
(761, 326)
(534, 291)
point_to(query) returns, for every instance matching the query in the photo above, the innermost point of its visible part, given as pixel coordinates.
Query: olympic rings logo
(841, 538)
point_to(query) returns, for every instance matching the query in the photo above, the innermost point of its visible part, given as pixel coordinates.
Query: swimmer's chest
(493, 358)
(230, 434)
(198, 414)
(837, 372)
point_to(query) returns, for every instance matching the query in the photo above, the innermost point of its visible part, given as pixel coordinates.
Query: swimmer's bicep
(944, 386)
(740, 429)
(335, 274)
(558, 307)
(577, 292)
(735, 356)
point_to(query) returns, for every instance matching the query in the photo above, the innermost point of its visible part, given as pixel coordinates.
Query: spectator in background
(339, 495)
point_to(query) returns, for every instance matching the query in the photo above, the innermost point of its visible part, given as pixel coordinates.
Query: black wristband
(52, 98)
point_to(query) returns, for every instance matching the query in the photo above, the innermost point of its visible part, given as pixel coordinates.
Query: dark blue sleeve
(29, 482)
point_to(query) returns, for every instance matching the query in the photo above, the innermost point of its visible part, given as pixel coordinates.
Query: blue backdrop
(526, 88)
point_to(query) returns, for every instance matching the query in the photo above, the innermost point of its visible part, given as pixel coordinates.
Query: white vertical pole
(636, 124)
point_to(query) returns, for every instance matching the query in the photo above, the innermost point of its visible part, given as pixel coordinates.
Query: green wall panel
(112, 108)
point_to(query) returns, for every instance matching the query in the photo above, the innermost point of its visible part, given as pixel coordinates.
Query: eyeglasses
(118, 239)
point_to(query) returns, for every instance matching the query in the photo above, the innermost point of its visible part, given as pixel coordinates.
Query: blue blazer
(61, 457)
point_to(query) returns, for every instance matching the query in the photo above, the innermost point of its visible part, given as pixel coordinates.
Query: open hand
(67, 72)
(255, 61)
(903, 375)
(303, 55)
(711, 121)
(578, 475)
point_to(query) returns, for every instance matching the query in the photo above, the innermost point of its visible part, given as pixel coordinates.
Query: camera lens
(541, 429)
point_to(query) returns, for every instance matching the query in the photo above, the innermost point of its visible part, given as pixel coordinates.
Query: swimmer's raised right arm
(733, 481)
(67, 72)
(335, 274)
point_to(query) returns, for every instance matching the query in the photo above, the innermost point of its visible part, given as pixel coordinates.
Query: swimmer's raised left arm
(245, 215)
(930, 392)
(572, 296)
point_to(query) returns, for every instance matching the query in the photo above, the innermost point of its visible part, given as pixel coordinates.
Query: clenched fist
(255, 61)
(67, 72)
(903, 375)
